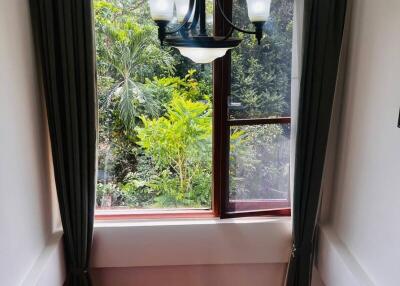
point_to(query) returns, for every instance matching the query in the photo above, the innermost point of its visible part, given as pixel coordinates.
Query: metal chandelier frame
(191, 36)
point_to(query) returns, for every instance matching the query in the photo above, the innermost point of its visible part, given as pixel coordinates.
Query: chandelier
(191, 37)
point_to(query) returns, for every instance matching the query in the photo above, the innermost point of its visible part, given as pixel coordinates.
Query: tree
(155, 116)
(131, 53)
(261, 75)
(128, 52)
(180, 145)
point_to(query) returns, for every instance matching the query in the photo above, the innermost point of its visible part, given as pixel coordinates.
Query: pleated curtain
(322, 44)
(63, 33)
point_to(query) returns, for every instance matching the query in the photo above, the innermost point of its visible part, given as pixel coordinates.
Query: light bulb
(161, 10)
(202, 55)
(258, 10)
(182, 8)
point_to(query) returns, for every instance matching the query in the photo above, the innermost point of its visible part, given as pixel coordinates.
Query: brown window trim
(130, 214)
(259, 208)
(249, 205)
(271, 208)
(220, 156)
(287, 212)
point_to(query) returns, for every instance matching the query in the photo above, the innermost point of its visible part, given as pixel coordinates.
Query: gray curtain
(63, 33)
(323, 33)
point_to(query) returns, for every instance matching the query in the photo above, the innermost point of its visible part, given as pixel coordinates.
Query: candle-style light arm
(196, 17)
(185, 20)
(162, 24)
(258, 25)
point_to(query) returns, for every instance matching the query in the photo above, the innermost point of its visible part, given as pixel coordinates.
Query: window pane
(259, 167)
(155, 115)
(261, 75)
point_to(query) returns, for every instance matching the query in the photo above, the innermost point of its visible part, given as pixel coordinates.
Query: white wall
(192, 252)
(360, 232)
(29, 246)
(194, 275)
(191, 242)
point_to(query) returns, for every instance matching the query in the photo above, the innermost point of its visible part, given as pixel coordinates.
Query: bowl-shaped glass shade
(203, 49)
(202, 55)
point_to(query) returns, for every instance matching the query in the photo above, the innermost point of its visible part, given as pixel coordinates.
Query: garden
(156, 108)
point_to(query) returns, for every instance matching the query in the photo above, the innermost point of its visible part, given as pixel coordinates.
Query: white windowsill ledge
(167, 242)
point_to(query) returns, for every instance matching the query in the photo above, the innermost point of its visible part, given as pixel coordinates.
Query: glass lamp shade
(258, 10)
(161, 10)
(202, 55)
(182, 8)
(203, 49)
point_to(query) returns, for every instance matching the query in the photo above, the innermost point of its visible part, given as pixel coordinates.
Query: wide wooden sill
(129, 214)
(121, 215)
(271, 208)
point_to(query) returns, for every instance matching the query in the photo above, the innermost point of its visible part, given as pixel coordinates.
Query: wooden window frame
(220, 154)
(222, 125)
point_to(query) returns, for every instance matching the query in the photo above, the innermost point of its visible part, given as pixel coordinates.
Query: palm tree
(133, 53)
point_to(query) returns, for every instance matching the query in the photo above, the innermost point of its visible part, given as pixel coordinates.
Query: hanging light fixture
(191, 37)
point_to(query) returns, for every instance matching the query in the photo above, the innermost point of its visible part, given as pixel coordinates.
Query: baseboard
(48, 269)
(336, 265)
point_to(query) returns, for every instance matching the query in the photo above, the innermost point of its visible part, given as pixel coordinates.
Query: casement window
(179, 139)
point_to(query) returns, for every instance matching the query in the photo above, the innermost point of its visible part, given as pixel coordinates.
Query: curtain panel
(63, 33)
(322, 43)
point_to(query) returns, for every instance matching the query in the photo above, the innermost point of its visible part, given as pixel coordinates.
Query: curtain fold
(322, 42)
(63, 33)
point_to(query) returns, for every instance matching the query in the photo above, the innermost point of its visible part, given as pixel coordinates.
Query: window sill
(166, 242)
(128, 214)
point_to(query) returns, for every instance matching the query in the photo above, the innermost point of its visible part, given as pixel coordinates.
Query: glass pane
(261, 74)
(259, 167)
(155, 133)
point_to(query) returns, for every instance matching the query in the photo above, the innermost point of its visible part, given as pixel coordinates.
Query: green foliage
(259, 165)
(180, 145)
(155, 110)
(108, 195)
(127, 53)
(261, 74)
(187, 87)
(137, 185)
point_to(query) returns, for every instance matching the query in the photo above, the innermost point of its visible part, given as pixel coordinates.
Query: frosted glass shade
(202, 55)
(161, 10)
(258, 10)
(182, 8)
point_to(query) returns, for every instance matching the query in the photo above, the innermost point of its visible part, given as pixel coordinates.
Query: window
(259, 114)
(181, 139)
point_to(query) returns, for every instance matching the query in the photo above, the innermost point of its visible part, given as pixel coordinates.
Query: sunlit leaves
(180, 141)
